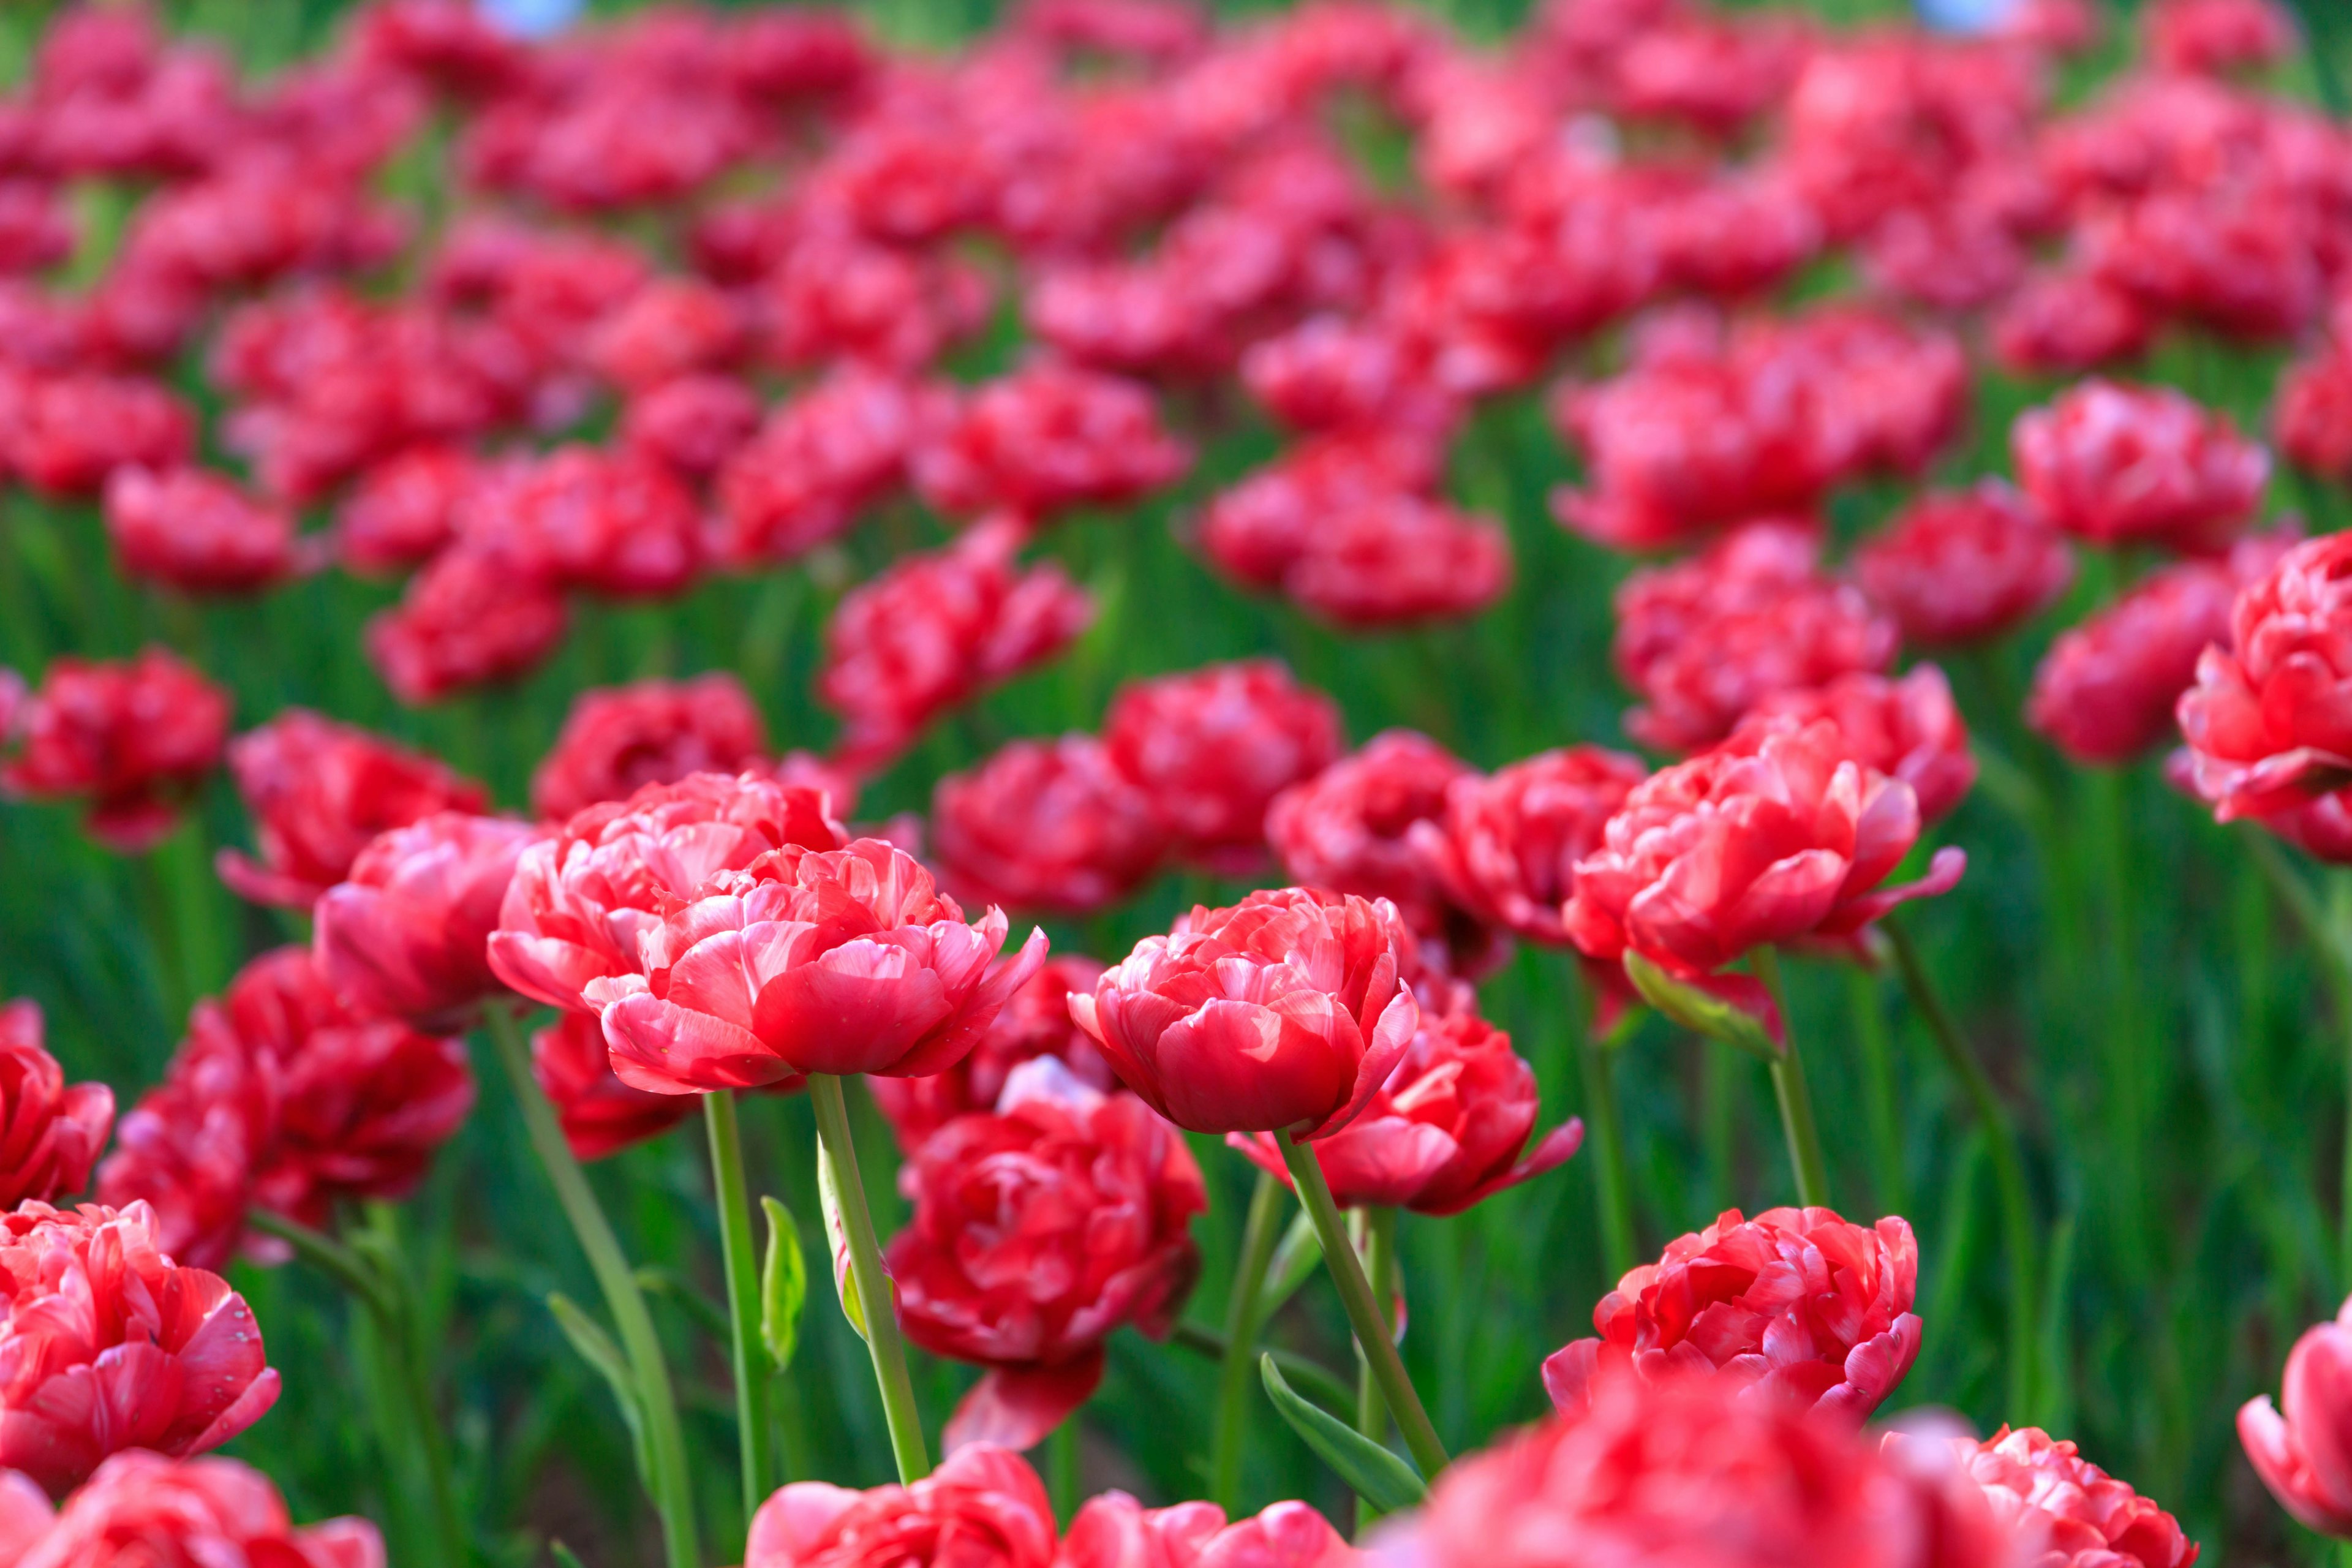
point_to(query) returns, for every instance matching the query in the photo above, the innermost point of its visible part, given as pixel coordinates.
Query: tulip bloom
(619, 738)
(50, 1135)
(1045, 439)
(2299, 1448)
(2085, 1516)
(134, 737)
(472, 617)
(108, 1345)
(2313, 420)
(407, 934)
(139, 1505)
(1114, 1530)
(193, 1145)
(1908, 728)
(2119, 465)
(1036, 1022)
(1284, 1013)
(1957, 567)
(1797, 1305)
(1347, 827)
(1046, 824)
(983, 1507)
(600, 1115)
(197, 531)
(401, 511)
(1505, 848)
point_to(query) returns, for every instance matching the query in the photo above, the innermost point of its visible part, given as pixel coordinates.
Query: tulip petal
(1016, 1407)
(1555, 1148)
(665, 1049)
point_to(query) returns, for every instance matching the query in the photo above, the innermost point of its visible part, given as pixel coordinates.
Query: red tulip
(143, 1507)
(109, 1345)
(1965, 566)
(1397, 558)
(1046, 824)
(1039, 1229)
(1262, 529)
(616, 740)
(1777, 836)
(1036, 1022)
(583, 518)
(403, 510)
(472, 617)
(2305, 1453)
(692, 426)
(820, 460)
(2210, 36)
(982, 1509)
(193, 1145)
(600, 1114)
(839, 298)
(66, 435)
(580, 901)
(406, 935)
(50, 1135)
(135, 737)
(670, 327)
(1907, 729)
(1796, 1304)
(2083, 1517)
(197, 531)
(1045, 439)
(1505, 848)
(2313, 418)
(2119, 465)
(1347, 829)
(1114, 1530)
(1212, 747)
(2069, 322)
(1282, 1014)
(320, 793)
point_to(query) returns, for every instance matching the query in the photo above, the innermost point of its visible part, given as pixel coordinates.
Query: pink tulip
(2304, 1454)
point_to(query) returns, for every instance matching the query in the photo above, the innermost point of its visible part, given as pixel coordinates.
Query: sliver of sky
(1964, 16)
(532, 18)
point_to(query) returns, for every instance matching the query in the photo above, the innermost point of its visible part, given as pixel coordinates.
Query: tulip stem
(1612, 1181)
(874, 1292)
(672, 1488)
(1378, 1224)
(1796, 1101)
(755, 1435)
(2007, 1161)
(2329, 932)
(1375, 1334)
(1260, 1233)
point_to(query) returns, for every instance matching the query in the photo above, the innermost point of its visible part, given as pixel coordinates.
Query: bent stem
(1796, 1101)
(755, 1436)
(1260, 1233)
(2008, 1162)
(1374, 1335)
(672, 1488)
(874, 1293)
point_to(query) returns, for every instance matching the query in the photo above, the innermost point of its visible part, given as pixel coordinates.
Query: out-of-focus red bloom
(671, 327)
(36, 230)
(403, 510)
(600, 1114)
(1283, 1013)
(1345, 829)
(837, 299)
(198, 531)
(108, 1345)
(140, 1505)
(1114, 1530)
(2106, 689)
(193, 1145)
(1963, 566)
(2313, 419)
(2119, 465)
(472, 617)
(2208, 37)
(617, 739)
(1796, 1305)
(135, 737)
(1505, 848)
(449, 41)
(1907, 727)
(937, 629)
(1046, 824)
(2083, 1517)
(692, 424)
(1045, 439)
(406, 935)
(1449, 1129)
(839, 961)
(66, 435)
(1779, 835)
(1039, 1229)
(1036, 1022)
(1388, 560)
(982, 1507)
(2300, 1449)
(320, 791)
(583, 518)
(819, 460)
(1958, 257)
(1704, 640)
(1262, 527)
(2066, 322)
(50, 1132)
(1212, 747)
(1330, 373)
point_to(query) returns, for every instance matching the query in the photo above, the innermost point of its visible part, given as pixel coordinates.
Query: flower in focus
(406, 935)
(1284, 1013)
(2085, 1516)
(141, 1507)
(1039, 1227)
(2298, 1447)
(1964, 566)
(601, 1115)
(1046, 824)
(982, 1507)
(320, 791)
(1212, 747)
(108, 1345)
(1505, 848)
(50, 1133)
(470, 617)
(618, 739)
(134, 737)
(197, 531)
(1046, 439)
(2120, 465)
(1907, 727)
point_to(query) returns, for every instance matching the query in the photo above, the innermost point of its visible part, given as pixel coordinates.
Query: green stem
(1062, 1468)
(325, 1254)
(672, 1487)
(754, 1436)
(874, 1293)
(1881, 1102)
(1380, 1224)
(2329, 932)
(2008, 1162)
(1612, 1181)
(1796, 1101)
(1260, 1233)
(1375, 1334)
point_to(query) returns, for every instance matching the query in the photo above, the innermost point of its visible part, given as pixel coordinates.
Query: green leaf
(1295, 1258)
(784, 1285)
(596, 1348)
(844, 1278)
(564, 1556)
(1376, 1474)
(1699, 1010)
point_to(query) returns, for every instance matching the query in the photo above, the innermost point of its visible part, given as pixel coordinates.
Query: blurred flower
(198, 533)
(2118, 465)
(982, 1507)
(193, 1145)
(50, 1133)
(2085, 1516)
(401, 511)
(1045, 439)
(820, 459)
(406, 934)
(618, 739)
(142, 1507)
(1039, 1227)
(837, 299)
(1036, 1022)
(1260, 529)
(2067, 322)
(470, 617)
(1795, 1305)
(108, 1345)
(136, 737)
(2210, 36)
(582, 517)
(1907, 729)
(600, 1115)
(2312, 416)
(670, 327)
(320, 791)
(66, 435)
(1345, 829)
(2300, 1452)
(692, 424)
(1964, 566)
(1282, 1014)
(1046, 824)
(1396, 558)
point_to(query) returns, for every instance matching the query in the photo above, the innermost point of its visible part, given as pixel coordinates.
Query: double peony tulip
(2080, 1516)
(2302, 1447)
(144, 1508)
(1034, 1022)
(1965, 566)
(133, 738)
(50, 1133)
(406, 934)
(1907, 727)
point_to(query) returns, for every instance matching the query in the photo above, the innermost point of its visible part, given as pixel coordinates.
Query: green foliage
(783, 1286)
(1371, 1470)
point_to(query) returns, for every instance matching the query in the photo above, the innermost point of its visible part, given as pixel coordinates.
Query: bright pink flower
(1907, 729)
(583, 518)
(403, 510)
(140, 1507)
(1779, 835)
(406, 934)
(2083, 1517)
(600, 1115)
(2313, 418)
(1036, 1022)
(2068, 321)
(1212, 747)
(108, 1345)
(472, 617)
(1963, 566)
(1796, 1305)
(1047, 826)
(2119, 465)
(983, 1507)
(2211, 37)
(66, 435)
(320, 791)
(50, 1133)
(1046, 439)
(1040, 1227)
(618, 739)
(692, 424)
(198, 531)
(821, 459)
(2240, 263)
(1114, 1530)
(135, 737)
(1345, 829)
(2303, 1451)
(1505, 846)
(1284, 1014)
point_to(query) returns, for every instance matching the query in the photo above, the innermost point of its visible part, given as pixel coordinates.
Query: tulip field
(1132, 784)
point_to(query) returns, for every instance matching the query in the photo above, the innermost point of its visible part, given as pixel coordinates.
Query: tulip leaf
(564, 1556)
(596, 1348)
(1699, 1010)
(1295, 1258)
(836, 1231)
(783, 1286)
(1375, 1474)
